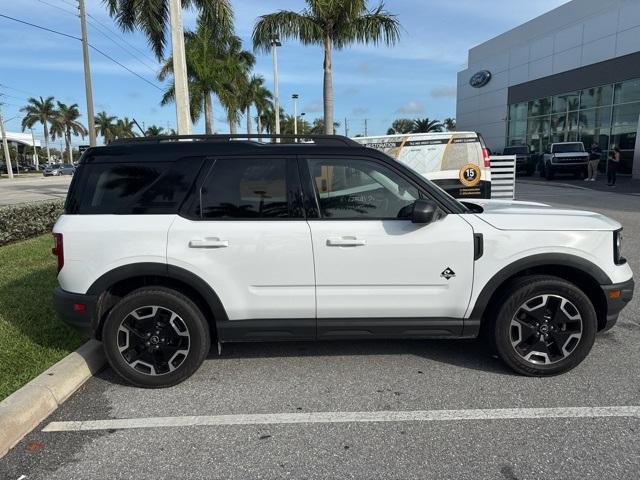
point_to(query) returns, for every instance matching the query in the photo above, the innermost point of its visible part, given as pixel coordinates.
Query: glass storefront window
(626, 115)
(628, 91)
(566, 102)
(596, 97)
(542, 106)
(606, 114)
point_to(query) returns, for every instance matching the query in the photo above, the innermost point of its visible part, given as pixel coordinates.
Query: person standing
(612, 168)
(594, 158)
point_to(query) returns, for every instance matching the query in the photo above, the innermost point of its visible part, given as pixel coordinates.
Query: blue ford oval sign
(480, 79)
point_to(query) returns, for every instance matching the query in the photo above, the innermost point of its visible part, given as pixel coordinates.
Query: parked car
(58, 169)
(565, 157)
(525, 161)
(215, 241)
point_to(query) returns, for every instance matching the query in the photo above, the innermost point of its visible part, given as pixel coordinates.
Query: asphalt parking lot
(33, 187)
(329, 381)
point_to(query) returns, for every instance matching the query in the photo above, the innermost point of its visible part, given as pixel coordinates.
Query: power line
(142, 61)
(79, 39)
(141, 52)
(39, 27)
(57, 7)
(106, 35)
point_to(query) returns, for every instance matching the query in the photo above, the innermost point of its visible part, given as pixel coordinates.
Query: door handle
(213, 242)
(345, 242)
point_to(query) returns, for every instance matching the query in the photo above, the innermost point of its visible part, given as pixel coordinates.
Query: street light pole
(5, 146)
(275, 43)
(183, 114)
(87, 75)
(295, 113)
(302, 120)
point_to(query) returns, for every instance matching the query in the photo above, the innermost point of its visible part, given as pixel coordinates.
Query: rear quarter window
(132, 188)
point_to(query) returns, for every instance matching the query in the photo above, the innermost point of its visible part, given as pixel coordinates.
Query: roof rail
(330, 140)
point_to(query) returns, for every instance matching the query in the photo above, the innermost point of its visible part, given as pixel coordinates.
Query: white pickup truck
(566, 157)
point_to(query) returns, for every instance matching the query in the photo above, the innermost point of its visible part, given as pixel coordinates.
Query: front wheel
(545, 326)
(155, 337)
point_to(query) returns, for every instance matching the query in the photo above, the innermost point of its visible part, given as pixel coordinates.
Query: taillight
(58, 250)
(485, 157)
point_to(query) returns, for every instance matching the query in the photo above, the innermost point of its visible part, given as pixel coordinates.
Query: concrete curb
(23, 410)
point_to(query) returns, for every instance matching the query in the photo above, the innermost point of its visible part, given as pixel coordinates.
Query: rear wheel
(155, 337)
(545, 326)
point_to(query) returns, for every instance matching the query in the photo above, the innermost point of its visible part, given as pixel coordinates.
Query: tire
(548, 172)
(521, 344)
(163, 335)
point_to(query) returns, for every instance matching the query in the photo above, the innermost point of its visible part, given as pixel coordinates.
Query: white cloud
(443, 91)
(411, 107)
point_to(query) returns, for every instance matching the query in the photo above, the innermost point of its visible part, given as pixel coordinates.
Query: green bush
(26, 220)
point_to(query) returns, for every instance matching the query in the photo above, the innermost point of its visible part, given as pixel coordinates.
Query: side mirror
(425, 211)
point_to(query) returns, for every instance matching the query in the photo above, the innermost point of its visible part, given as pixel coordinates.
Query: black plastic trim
(543, 259)
(345, 328)
(478, 246)
(63, 303)
(615, 305)
(162, 270)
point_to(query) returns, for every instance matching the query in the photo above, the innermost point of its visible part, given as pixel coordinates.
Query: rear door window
(248, 189)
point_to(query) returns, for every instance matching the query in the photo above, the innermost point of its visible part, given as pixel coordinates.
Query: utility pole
(183, 114)
(346, 127)
(35, 150)
(5, 146)
(365, 127)
(275, 43)
(87, 75)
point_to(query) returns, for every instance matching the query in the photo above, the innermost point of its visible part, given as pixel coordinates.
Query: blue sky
(416, 78)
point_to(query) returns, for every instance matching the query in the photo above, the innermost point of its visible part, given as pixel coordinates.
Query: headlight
(617, 248)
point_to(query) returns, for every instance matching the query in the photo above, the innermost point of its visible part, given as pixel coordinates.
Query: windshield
(568, 147)
(515, 151)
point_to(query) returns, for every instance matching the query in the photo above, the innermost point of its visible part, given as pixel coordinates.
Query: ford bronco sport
(170, 244)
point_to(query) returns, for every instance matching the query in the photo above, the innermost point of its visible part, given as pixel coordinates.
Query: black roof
(165, 148)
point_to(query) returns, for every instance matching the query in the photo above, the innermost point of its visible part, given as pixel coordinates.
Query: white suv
(166, 246)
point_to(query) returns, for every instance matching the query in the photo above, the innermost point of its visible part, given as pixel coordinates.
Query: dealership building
(572, 74)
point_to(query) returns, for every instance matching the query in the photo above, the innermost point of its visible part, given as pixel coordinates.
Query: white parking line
(346, 417)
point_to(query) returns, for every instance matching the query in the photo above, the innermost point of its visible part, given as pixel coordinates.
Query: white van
(458, 162)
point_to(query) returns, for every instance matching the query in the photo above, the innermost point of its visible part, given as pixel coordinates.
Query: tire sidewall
(199, 341)
(524, 291)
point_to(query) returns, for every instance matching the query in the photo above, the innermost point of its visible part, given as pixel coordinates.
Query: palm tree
(124, 128)
(425, 125)
(262, 99)
(205, 58)
(317, 127)
(449, 124)
(41, 111)
(152, 17)
(236, 71)
(334, 25)
(400, 126)
(105, 126)
(66, 124)
(256, 94)
(153, 131)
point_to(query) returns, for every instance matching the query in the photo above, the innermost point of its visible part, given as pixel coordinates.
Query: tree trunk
(208, 114)
(328, 89)
(233, 127)
(67, 140)
(249, 120)
(259, 122)
(46, 142)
